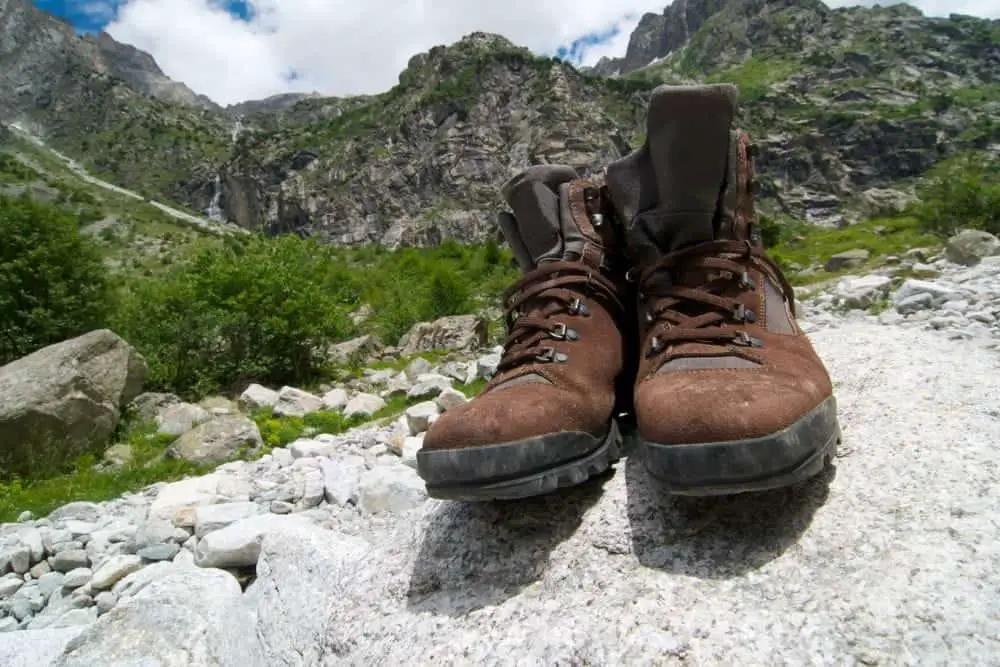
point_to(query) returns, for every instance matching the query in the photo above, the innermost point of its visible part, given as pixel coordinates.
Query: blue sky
(235, 50)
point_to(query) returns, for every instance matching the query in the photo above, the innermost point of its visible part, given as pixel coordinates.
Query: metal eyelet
(743, 314)
(655, 345)
(746, 283)
(649, 317)
(746, 340)
(597, 219)
(632, 275)
(547, 355)
(578, 307)
(563, 332)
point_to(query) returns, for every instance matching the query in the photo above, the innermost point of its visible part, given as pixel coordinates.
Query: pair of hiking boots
(650, 295)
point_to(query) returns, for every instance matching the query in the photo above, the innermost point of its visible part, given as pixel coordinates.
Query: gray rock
(70, 559)
(116, 568)
(392, 488)
(159, 552)
(217, 440)
(463, 333)
(81, 576)
(862, 291)
(75, 618)
(39, 569)
(105, 602)
(34, 648)
(180, 418)
(118, 455)
(308, 448)
(341, 478)
(416, 368)
(9, 584)
(155, 530)
(15, 559)
(182, 616)
(398, 385)
(289, 598)
(257, 397)
(450, 398)
(32, 538)
(238, 545)
(7, 624)
(67, 398)
(970, 246)
(147, 405)
(486, 365)
(51, 582)
(356, 350)
(335, 399)
(915, 303)
(847, 260)
(294, 402)
(363, 405)
(411, 446)
(939, 293)
(429, 385)
(282, 507)
(418, 416)
(209, 518)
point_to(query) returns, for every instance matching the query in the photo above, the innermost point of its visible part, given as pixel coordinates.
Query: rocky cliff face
(850, 106)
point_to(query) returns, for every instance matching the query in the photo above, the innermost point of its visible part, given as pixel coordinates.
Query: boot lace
(539, 296)
(685, 314)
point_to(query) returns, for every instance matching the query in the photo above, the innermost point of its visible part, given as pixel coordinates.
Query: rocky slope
(327, 552)
(850, 106)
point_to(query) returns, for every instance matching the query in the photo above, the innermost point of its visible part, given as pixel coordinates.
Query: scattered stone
(335, 399)
(391, 488)
(294, 402)
(416, 368)
(363, 405)
(450, 398)
(158, 552)
(70, 559)
(463, 333)
(862, 292)
(81, 576)
(486, 365)
(66, 399)
(970, 246)
(117, 567)
(105, 602)
(847, 260)
(217, 440)
(398, 385)
(306, 448)
(429, 385)
(118, 455)
(26, 515)
(282, 507)
(355, 351)
(237, 545)
(257, 397)
(418, 416)
(179, 418)
(209, 518)
(341, 478)
(9, 584)
(411, 446)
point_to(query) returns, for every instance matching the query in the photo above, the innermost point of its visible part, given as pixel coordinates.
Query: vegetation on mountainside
(52, 282)
(961, 193)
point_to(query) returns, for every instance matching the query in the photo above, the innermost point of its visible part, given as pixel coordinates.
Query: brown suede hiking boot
(546, 419)
(730, 395)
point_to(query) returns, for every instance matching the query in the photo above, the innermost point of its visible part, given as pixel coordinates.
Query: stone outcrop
(66, 399)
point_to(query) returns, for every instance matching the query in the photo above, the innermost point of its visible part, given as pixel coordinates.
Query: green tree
(52, 280)
(254, 310)
(963, 192)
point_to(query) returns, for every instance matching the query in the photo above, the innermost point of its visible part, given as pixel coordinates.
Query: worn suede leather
(674, 199)
(577, 394)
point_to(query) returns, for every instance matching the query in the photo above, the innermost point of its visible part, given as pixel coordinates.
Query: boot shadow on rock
(479, 554)
(718, 537)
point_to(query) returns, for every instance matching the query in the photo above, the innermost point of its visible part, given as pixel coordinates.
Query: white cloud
(359, 46)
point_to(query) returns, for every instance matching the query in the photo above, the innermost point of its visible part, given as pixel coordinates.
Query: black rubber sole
(521, 469)
(787, 457)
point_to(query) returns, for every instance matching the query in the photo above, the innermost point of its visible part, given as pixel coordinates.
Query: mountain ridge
(850, 106)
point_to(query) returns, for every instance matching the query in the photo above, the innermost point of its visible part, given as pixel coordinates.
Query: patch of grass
(799, 245)
(755, 76)
(83, 481)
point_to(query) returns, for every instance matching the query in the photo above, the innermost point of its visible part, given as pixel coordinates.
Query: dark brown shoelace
(683, 314)
(545, 293)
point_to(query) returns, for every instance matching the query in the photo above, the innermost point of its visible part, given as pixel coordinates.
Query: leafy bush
(52, 280)
(250, 310)
(963, 192)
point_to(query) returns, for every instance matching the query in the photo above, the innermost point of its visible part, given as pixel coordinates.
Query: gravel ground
(889, 558)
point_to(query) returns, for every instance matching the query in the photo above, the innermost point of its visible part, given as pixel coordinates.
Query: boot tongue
(541, 228)
(669, 191)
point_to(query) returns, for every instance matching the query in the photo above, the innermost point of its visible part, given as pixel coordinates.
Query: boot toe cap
(695, 407)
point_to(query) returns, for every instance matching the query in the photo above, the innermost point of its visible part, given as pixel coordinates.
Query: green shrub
(963, 192)
(252, 310)
(52, 281)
